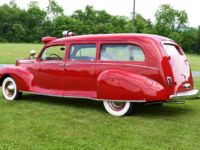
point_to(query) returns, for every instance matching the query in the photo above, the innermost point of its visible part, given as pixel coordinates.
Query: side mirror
(32, 54)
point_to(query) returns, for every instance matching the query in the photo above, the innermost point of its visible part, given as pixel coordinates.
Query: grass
(40, 123)
(9, 53)
(194, 61)
(48, 123)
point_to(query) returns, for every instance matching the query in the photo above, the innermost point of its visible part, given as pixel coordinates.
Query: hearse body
(119, 69)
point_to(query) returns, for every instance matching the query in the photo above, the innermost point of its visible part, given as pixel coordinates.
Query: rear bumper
(185, 95)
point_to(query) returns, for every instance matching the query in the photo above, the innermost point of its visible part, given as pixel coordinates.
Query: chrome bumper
(185, 95)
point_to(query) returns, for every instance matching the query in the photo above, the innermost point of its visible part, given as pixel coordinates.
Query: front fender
(22, 76)
(124, 85)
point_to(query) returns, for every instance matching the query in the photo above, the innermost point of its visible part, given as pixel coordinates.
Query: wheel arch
(124, 85)
(22, 77)
(3, 78)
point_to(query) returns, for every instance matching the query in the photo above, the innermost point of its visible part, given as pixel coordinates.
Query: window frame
(52, 45)
(80, 43)
(121, 43)
(179, 50)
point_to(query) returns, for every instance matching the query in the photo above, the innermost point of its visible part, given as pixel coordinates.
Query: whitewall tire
(118, 108)
(9, 89)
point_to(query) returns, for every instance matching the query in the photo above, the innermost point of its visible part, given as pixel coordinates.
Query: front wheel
(9, 89)
(119, 108)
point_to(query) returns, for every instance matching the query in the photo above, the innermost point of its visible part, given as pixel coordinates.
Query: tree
(17, 25)
(18, 31)
(142, 25)
(170, 20)
(9, 16)
(33, 3)
(176, 36)
(198, 40)
(54, 10)
(33, 20)
(12, 3)
(189, 39)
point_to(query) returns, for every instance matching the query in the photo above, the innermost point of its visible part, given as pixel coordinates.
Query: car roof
(109, 37)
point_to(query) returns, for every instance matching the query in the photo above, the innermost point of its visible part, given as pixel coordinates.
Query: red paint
(106, 80)
(46, 40)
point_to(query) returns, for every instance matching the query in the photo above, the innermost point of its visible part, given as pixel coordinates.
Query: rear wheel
(119, 108)
(9, 89)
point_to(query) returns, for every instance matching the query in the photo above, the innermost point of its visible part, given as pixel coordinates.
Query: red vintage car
(120, 70)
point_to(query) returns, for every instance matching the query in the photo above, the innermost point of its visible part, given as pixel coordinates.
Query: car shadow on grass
(165, 110)
(145, 111)
(59, 101)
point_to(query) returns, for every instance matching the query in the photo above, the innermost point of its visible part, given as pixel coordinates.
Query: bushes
(18, 25)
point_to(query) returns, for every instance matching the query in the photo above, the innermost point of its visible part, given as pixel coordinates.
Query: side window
(121, 52)
(83, 52)
(54, 53)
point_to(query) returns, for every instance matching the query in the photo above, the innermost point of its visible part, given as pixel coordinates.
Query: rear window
(121, 52)
(172, 50)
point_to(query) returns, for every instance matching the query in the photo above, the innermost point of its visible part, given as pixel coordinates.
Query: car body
(118, 69)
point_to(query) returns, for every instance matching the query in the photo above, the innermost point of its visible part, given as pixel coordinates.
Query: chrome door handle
(64, 65)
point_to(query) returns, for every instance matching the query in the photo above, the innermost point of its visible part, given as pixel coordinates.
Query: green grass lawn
(41, 123)
(194, 61)
(9, 53)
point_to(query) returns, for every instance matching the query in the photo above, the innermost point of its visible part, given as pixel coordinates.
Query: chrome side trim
(141, 66)
(94, 99)
(114, 64)
(27, 62)
(185, 95)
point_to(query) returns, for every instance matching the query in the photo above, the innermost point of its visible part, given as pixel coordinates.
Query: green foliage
(142, 25)
(54, 10)
(176, 37)
(18, 32)
(12, 3)
(189, 39)
(170, 20)
(198, 41)
(19, 25)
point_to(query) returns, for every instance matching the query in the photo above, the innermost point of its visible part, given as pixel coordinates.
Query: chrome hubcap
(117, 106)
(10, 89)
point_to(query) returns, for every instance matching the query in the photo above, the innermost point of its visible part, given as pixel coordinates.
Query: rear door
(180, 67)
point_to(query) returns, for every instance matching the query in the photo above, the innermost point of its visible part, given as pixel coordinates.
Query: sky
(146, 8)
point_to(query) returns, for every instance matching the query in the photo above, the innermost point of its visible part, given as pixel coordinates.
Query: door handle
(64, 65)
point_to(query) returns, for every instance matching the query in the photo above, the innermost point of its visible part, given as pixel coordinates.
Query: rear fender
(123, 85)
(22, 77)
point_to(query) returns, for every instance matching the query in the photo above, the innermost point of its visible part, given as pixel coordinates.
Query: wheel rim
(117, 106)
(10, 89)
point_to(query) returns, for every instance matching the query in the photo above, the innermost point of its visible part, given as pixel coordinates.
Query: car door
(49, 71)
(80, 70)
